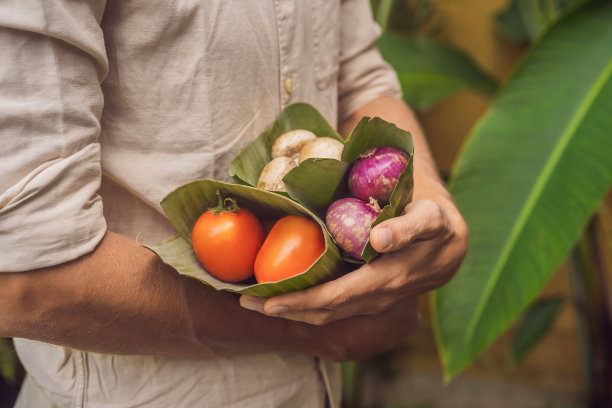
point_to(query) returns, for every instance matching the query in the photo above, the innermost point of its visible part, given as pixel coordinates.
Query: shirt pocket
(326, 41)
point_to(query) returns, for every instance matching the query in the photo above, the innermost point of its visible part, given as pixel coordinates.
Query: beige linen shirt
(105, 107)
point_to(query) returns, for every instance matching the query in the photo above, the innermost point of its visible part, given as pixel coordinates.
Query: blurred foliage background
(11, 373)
(514, 97)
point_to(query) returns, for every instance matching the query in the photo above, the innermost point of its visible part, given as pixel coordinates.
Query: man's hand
(423, 249)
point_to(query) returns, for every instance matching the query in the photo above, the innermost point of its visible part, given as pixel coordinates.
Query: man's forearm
(122, 299)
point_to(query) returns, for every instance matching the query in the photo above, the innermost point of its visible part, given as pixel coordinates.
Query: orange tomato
(291, 247)
(226, 243)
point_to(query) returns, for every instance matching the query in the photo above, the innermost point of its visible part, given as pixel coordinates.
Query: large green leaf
(184, 206)
(429, 72)
(531, 175)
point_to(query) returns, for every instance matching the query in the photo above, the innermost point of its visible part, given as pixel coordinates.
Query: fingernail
(277, 309)
(384, 237)
(252, 303)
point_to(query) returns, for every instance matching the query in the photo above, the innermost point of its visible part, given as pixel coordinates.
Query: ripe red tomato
(291, 247)
(226, 243)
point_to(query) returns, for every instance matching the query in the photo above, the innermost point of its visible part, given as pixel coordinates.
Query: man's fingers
(253, 303)
(326, 296)
(305, 302)
(422, 219)
(323, 296)
(349, 295)
(321, 316)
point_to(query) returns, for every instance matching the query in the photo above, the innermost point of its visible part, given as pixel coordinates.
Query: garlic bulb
(322, 148)
(271, 177)
(289, 144)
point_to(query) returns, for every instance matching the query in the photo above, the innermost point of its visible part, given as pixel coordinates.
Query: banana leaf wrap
(316, 183)
(184, 206)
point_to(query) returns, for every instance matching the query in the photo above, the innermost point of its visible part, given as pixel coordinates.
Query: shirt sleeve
(53, 61)
(364, 75)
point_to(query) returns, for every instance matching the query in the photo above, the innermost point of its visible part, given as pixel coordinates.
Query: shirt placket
(286, 13)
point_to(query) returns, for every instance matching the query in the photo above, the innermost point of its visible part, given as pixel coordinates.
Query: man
(185, 86)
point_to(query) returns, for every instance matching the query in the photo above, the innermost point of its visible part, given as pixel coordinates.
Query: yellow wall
(468, 25)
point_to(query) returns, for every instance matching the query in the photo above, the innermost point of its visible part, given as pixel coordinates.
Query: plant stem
(603, 347)
(11, 373)
(590, 297)
(350, 384)
(383, 12)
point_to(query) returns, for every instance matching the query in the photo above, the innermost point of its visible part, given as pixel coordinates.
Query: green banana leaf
(535, 323)
(316, 183)
(531, 175)
(184, 206)
(429, 72)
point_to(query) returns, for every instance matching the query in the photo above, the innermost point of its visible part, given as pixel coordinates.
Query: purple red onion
(375, 173)
(348, 221)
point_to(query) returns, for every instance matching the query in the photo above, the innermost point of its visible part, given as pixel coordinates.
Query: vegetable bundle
(311, 187)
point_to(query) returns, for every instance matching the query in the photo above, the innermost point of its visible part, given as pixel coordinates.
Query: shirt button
(288, 85)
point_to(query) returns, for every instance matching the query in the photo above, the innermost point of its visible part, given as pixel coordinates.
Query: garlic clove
(271, 177)
(321, 148)
(289, 144)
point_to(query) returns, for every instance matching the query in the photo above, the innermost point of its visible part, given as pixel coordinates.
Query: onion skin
(271, 177)
(321, 148)
(348, 221)
(289, 144)
(375, 173)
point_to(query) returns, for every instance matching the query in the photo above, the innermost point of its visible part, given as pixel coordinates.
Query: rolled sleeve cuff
(370, 77)
(54, 214)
